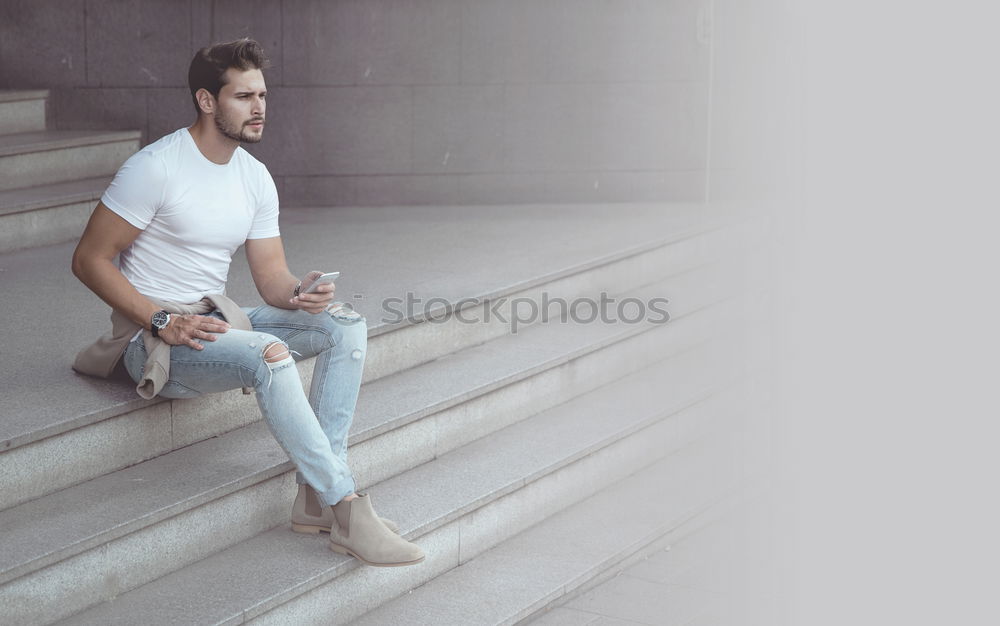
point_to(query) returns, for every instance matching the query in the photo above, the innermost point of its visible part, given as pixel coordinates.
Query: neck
(215, 146)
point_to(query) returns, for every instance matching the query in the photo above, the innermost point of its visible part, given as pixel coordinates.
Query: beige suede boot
(311, 517)
(359, 533)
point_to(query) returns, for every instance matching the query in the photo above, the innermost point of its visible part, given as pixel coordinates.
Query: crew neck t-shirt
(194, 214)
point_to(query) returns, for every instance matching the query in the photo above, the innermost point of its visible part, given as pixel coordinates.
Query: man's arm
(106, 235)
(276, 284)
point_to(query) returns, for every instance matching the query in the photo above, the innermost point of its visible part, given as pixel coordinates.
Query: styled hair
(209, 65)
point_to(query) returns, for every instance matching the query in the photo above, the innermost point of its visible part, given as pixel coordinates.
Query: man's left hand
(316, 301)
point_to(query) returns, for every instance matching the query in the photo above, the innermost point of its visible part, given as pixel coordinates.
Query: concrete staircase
(525, 464)
(50, 179)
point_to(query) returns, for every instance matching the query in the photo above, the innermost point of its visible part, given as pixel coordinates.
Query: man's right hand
(186, 330)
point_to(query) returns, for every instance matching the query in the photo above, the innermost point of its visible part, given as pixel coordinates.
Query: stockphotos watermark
(524, 311)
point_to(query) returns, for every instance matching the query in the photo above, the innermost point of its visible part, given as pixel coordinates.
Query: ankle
(350, 497)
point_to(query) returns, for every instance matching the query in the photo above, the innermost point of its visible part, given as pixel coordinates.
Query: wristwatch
(159, 322)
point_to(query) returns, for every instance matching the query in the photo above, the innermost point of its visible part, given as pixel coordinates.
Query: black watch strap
(159, 322)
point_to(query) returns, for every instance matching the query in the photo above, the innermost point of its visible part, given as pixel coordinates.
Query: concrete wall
(754, 108)
(403, 101)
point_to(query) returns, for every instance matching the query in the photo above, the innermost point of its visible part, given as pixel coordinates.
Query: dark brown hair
(209, 64)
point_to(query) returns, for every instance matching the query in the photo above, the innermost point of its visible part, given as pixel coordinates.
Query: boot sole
(309, 529)
(347, 552)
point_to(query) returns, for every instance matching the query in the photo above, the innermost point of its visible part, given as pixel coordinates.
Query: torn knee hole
(276, 357)
(340, 311)
(276, 352)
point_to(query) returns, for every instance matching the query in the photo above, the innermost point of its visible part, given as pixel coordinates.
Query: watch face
(160, 319)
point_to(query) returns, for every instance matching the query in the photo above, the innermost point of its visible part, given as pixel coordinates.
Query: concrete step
(63, 538)
(719, 567)
(22, 111)
(48, 214)
(54, 156)
(118, 429)
(33, 412)
(456, 506)
(574, 548)
(390, 252)
(472, 392)
(592, 542)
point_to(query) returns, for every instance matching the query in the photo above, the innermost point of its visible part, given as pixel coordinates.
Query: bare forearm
(104, 279)
(279, 290)
(275, 282)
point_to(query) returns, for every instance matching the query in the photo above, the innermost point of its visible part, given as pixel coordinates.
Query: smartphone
(322, 280)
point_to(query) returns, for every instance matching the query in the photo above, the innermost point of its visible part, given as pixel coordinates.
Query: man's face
(240, 111)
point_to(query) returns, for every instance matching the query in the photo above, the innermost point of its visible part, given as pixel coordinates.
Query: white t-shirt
(194, 214)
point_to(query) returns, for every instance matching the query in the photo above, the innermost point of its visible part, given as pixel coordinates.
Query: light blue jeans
(313, 431)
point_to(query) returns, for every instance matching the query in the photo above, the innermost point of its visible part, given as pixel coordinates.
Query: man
(175, 213)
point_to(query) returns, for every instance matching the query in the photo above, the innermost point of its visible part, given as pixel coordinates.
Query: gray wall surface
(403, 101)
(754, 107)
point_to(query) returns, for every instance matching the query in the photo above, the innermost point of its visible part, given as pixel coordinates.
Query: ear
(206, 101)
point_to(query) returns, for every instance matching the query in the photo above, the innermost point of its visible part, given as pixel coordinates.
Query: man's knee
(347, 328)
(276, 352)
(345, 314)
(276, 357)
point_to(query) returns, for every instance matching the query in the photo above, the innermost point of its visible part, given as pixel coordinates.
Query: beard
(240, 133)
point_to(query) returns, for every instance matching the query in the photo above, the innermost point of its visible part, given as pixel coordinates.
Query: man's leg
(252, 358)
(260, 360)
(339, 341)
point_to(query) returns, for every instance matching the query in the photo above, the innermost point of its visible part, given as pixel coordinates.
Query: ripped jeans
(312, 431)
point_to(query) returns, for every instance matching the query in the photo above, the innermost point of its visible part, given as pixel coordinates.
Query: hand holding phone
(320, 280)
(315, 302)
